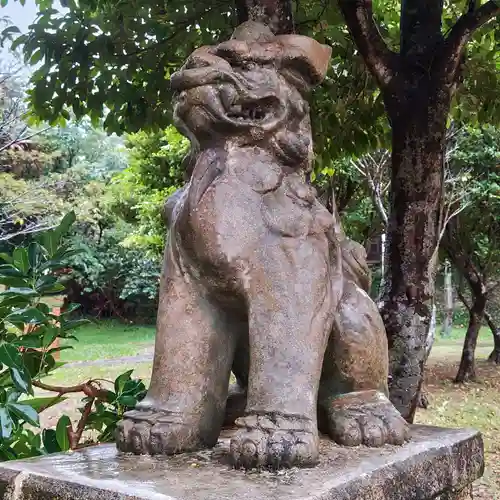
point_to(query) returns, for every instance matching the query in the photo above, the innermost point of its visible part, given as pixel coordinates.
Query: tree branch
(75, 436)
(358, 15)
(464, 28)
(90, 390)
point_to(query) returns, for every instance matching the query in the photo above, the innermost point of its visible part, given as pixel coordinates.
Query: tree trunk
(494, 357)
(417, 84)
(462, 259)
(467, 368)
(277, 14)
(418, 114)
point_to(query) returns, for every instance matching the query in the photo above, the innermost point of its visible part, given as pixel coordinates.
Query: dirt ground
(477, 405)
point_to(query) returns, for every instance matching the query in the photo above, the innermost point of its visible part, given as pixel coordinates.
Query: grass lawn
(474, 405)
(108, 339)
(450, 348)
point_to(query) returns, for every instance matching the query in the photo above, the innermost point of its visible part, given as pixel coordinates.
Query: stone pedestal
(438, 464)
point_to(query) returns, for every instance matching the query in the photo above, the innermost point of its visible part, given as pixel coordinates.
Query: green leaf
(127, 400)
(34, 254)
(30, 315)
(25, 412)
(28, 292)
(21, 379)
(49, 241)
(121, 380)
(66, 223)
(32, 341)
(13, 298)
(10, 356)
(10, 29)
(36, 57)
(6, 423)
(6, 257)
(45, 284)
(21, 260)
(43, 403)
(49, 440)
(10, 270)
(63, 424)
(14, 281)
(49, 337)
(13, 396)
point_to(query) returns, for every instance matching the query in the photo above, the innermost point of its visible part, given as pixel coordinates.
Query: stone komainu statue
(258, 277)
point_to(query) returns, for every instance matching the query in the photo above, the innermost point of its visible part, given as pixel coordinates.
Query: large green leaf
(10, 356)
(49, 241)
(10, 270)
(24, 412)
(63, 424)
(6, 257)
(66, 223)
(21, 260)
(121, 380)
(43, 403)
(6, 423)
(21, 379)
(49, 440)
(35, 254)
(14, 281)
(31, 315)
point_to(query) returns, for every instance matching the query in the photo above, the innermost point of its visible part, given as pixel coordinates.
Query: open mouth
(251, 112)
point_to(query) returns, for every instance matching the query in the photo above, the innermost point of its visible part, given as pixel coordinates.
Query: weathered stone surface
(438, 464)
(258, 277)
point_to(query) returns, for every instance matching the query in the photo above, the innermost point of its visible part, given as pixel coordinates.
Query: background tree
(115, 56)
(418, 76)
(472, 240)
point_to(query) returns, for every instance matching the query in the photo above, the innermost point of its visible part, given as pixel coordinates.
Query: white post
(448, 295)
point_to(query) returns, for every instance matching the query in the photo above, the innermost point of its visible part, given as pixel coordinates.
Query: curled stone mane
(266, 75)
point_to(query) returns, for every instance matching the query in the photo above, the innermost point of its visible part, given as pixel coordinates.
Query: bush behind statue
(29, 330)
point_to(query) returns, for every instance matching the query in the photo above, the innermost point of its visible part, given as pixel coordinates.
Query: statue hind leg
(353, 407)
(184, 407)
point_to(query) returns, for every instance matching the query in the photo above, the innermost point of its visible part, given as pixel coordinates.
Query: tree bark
(417, 85)
(417, 109)
(467, 368)
(456, 248)
(494, 357)
(277, 14)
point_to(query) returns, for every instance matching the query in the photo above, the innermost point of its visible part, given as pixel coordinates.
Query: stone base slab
(438, 464)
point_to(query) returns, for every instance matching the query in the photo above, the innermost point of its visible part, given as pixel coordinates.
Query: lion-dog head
(250, 90)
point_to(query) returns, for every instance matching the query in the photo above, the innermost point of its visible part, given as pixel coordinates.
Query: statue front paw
(274, 441)
(367, 418)
(156, 433)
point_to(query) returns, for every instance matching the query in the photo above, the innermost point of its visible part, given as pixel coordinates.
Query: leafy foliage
(113, 61)
(111, 280)
(28, 330)
(140, 191)
(478, 152)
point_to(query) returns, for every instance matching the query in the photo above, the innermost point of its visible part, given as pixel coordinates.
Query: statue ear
(304, 59)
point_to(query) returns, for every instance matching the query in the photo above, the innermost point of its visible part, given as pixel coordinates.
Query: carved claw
(155, 433)
(367, 418)
(283, 442)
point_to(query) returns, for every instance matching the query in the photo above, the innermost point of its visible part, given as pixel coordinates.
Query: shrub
(28, 330)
